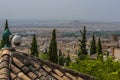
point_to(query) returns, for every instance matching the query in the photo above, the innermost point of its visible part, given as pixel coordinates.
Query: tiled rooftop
(16, 65)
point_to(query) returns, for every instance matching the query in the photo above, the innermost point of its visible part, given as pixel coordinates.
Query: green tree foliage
(99, 47)
(2, 43)
(61, 58)
(44, 55)
(34, 48)
(83, 40)
(68, 60)
(93, 45)
(53, 48)
(101, 70)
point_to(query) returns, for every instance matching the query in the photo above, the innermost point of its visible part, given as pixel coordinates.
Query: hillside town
(70, 45)
(67, 48)
(59, 40)
(67, 45)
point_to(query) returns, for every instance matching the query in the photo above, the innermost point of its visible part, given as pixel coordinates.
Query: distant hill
(97, 26)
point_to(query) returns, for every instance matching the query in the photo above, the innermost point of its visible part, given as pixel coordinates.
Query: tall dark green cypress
(34, 48)
(99, 47)
(53, 48)
(93, 45)
(83, 40)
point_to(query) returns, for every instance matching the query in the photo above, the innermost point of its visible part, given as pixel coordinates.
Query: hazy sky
(90, 10)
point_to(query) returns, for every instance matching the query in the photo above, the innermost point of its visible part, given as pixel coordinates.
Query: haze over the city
(85, 10)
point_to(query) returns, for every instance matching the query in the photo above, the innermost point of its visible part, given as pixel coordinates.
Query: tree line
(60, 58)
(94, 48)
(53, 54)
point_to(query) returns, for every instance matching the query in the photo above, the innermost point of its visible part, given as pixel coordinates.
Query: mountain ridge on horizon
(61, 24)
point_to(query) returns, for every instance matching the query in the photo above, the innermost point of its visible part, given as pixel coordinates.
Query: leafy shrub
(102, 70)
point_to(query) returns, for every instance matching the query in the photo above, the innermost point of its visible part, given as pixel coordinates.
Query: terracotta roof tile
(25, 69)
(47, 68)
(14, 69)
(13, 76)
(71, 76)
(58, 72)
(4, 71)
(4, 58)
(38, 73)
(18, 63)
(20, 66)
(32, 75)
(34, 64)
(80, 78)
(65, 78)
(5, 52)
(3, 77)
(23, 76)
(17, 78)
(57, 77)
(4, 64)
(44, 73)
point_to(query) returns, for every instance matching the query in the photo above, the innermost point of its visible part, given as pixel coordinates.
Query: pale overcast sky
(89, 10)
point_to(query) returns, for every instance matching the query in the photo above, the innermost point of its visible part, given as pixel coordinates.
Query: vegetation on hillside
(53, 48)
(99, 49)
(44, 56)
(34, 48)
(82, 44)
(101, 70)
(93, 45)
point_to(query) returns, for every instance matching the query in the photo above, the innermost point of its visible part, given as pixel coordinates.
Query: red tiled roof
(20, 66)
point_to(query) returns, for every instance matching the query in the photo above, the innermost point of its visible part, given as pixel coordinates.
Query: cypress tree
(53, 48)
(93, 45)
(34, 48)
(99, 47)
(83, 40)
